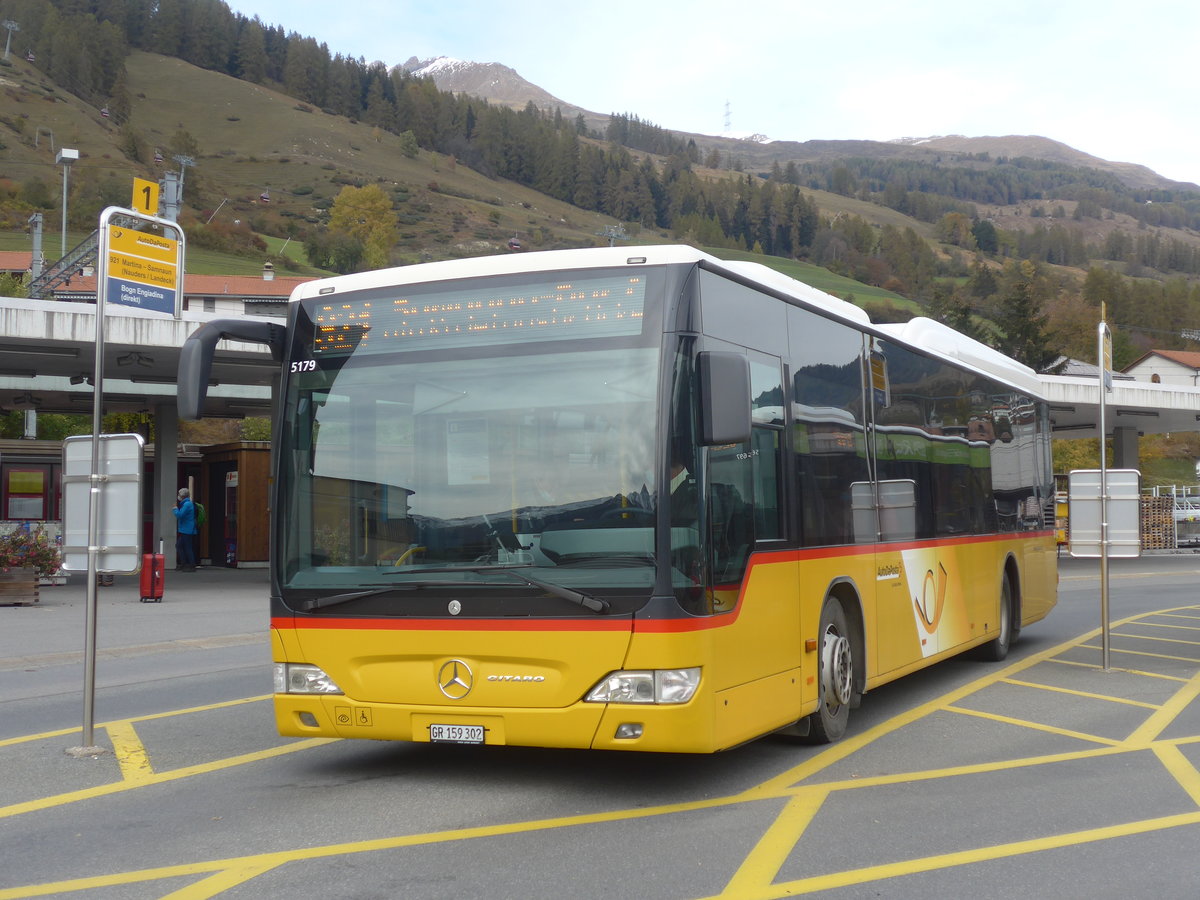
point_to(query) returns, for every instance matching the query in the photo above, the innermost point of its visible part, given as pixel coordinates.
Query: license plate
(456, 734)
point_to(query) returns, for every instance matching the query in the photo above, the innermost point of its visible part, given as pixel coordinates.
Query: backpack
(201, 515)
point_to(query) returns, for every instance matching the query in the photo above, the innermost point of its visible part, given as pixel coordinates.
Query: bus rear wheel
(996, 649)
(836, 681)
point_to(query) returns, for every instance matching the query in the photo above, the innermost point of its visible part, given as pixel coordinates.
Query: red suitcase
(154, 565)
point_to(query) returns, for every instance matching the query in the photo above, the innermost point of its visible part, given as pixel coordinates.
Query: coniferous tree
(251, 55)
(1021, 316)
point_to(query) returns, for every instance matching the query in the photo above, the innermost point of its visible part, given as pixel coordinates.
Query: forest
(1033, 292)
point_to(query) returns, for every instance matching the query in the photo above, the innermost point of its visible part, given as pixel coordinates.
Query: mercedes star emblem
(455, 679)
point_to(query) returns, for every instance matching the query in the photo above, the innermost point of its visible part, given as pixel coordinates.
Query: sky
(1116, 80)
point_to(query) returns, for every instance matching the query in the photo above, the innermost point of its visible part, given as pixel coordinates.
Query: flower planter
(18, 587)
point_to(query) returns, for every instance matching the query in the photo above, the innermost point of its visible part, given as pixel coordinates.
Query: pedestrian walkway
(211, 603)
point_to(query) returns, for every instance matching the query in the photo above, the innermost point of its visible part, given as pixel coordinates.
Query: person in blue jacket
(185, 532)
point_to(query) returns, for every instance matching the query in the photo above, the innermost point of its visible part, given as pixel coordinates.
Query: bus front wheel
(836, 682)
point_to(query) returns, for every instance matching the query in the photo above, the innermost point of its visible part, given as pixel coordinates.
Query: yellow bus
(631, 498)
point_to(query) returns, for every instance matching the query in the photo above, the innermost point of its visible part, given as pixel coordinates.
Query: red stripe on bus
(407, 624)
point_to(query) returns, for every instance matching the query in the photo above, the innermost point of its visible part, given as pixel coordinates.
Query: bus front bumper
(675, 728)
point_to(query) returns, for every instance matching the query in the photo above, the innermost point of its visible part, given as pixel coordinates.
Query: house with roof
(1178, 367)
(15, 264)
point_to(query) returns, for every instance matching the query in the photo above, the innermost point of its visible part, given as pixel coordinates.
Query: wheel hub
(837, 669)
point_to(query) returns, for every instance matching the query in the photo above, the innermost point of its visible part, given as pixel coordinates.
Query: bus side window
(730, 511)
(744, 485)
(765, 464)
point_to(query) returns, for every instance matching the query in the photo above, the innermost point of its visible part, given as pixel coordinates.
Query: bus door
(923, 493)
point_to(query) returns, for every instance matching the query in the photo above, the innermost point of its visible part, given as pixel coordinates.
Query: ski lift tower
(614, 233)
(172, 193)
(11, 26)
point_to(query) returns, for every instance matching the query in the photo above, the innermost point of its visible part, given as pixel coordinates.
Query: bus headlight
(297, 678)
(652, 686)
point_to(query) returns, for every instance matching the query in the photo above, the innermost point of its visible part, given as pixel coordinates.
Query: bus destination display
(587, 306)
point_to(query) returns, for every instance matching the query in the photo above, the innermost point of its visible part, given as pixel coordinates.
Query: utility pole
(65, 158)
(39, 258)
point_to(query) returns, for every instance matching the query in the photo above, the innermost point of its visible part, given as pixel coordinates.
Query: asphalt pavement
(42, 644)
(1040, 776)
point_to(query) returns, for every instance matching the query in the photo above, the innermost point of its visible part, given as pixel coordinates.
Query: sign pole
(145, 271)
(1104, 382)
(93, 549)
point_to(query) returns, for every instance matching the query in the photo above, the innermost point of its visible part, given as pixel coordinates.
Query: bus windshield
(445, 467)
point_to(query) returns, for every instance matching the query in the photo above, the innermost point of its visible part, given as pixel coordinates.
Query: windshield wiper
(587, 601)
(349, 597)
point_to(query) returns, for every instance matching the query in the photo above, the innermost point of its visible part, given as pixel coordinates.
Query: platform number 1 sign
(145, 196)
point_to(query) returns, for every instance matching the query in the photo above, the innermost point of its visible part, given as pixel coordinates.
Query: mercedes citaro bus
(631, 498)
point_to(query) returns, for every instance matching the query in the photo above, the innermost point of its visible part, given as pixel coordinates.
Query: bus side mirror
(196, 356)
(724, 397)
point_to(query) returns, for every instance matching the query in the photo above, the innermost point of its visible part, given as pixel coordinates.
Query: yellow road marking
(118, 787)
(1170, 625)
(1086, 665)
(1181, 768)
(776, 845)
(1168, 713)
(849, 745)
(221, 882)
(967, 857)
(64, 732)
(1152, 637)
(753, 877)
(1187, 659)
(130, 752)
(1074, 693)
(1035, 726)
(255, 864)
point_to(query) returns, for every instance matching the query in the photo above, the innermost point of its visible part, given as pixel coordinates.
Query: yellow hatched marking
(130, 752)
(763, 863)
(1153, 726)
(221, 882)
(1187, 659)
(1034, 726)
(850, 745)
(1170, 625)
(986, 768)
(1144, 674)
(249, 866)
(1151, 637)
(1074, 693)
(104, 790)
(64, 732)
(1181, 768)
(967, 857)
(776, 844)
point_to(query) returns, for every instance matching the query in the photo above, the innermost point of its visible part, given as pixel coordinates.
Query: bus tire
(996, 649)
(835, 683)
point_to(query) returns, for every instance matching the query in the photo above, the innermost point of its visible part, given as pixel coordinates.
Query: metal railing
(83, 254)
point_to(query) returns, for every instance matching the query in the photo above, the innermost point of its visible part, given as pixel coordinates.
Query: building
(46, 365)
(1179, 367)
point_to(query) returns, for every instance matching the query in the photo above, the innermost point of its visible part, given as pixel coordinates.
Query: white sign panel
(119, 485)
(1123, 514)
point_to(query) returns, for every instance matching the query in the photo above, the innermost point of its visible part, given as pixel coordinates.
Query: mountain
(499, 84)
(1015, 145)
